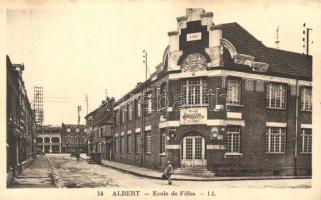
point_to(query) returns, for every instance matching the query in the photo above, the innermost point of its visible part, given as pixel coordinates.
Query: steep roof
(281, 62)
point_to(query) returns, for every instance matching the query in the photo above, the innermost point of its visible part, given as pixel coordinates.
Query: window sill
(308, 153)
(308, 111)
(162, 154)
(235, 105)
(233, 154)
(275, 153)
(281, 109)
(194, 105)
(148, 153)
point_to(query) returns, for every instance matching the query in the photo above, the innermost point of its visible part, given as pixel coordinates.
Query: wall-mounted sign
(190, 116)
(193, 36)
(172, 133)
(214, 132)
(194, 62)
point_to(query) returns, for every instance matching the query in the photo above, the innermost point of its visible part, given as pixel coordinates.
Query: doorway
(193, 152)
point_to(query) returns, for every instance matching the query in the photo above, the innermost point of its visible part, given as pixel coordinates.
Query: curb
(211, 179)
(26, 163)
(207, 179)
(131, 172)
(55, 176)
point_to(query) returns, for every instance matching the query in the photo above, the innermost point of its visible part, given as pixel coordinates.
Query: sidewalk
(36, 175)
(155, 174)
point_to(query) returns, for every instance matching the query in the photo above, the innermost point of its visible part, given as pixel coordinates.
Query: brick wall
(254, 159)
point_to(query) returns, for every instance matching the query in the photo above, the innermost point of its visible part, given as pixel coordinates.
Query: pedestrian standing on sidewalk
(168, 172)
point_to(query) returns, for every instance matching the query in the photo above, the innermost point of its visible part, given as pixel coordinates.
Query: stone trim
(173, 146)
(276, 124)
(306, 126)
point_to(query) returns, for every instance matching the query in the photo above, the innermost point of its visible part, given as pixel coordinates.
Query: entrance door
(193, 152)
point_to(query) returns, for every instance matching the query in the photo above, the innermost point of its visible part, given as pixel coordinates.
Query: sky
(83, 48)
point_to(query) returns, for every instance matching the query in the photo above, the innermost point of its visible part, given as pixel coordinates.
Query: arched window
(47, 140)
(55, 140)
(39, 140)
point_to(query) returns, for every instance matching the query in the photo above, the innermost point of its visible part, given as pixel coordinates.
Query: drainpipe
(296, 126)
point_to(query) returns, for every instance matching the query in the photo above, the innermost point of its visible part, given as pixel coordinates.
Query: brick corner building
(220, 101)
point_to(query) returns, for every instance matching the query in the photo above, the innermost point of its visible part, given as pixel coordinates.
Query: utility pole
(144, 90)
(277, 41)
(306, 38)
(86, 104)
(79, 109)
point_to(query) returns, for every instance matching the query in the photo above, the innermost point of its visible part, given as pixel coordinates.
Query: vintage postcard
(160, 99)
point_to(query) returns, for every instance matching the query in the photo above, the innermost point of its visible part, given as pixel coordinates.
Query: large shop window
(275, 140)
(138, 147)
(148, 142)
(306, 140)
(306, 99)
(194, 91)
(233, 139)
(163, 142)
(234, 91)
(276, 96)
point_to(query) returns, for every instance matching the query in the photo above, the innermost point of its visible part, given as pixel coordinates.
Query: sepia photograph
(160, 99)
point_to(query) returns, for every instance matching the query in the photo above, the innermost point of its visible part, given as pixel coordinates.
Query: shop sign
(190, 116)
(193, 36)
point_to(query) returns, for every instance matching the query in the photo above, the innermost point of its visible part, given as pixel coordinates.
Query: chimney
(138, 84)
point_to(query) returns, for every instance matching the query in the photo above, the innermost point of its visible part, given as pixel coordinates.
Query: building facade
(49, 139)
(21, 126)
(220, 100)
(99, 124)
(73, 137)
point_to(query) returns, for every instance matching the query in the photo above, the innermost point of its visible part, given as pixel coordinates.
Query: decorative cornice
(207, 14)
(171, 33)
(183, 18)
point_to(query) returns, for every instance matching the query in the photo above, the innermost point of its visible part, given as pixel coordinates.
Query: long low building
(220, 100)
(62, 138)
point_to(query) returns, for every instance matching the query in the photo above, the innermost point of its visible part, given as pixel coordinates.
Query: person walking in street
(77, 155)
(168, 172)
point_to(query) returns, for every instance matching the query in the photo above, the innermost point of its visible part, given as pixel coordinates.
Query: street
(79, 174)
(37, 175)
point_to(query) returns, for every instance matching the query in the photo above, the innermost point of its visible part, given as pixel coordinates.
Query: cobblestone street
(80, 174)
